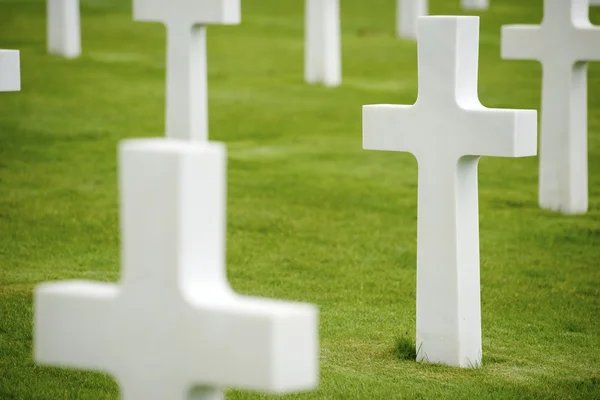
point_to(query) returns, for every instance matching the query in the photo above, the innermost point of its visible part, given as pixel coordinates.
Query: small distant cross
(322, 60)
(185, 20)
(174, 323)
(409, 11)
(447, 130)
(63, 28)
(475, 4)
(562, 44)
(10, 71)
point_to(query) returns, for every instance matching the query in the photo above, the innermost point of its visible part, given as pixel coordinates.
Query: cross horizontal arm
(498, 132)
(377, 120)
(71, 320)
(10, 71)
(586, 43)
(521, 42)
(188, 12)
(261, 344)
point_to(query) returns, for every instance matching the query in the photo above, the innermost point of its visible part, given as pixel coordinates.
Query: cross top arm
(189, 12)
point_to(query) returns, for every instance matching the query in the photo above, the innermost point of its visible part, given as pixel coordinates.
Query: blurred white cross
(322, 60)
(185, 20)
(409, 11)
(447, 130)
(174, 323)
(562, 44)
(10, 71)
(63, 28)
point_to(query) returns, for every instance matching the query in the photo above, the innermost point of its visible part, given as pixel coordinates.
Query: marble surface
(323, 54)
(173, 322)
(447, 130)
(563, 43)
(63, 28)
(186, 87)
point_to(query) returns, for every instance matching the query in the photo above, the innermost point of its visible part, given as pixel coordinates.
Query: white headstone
(475, 4)
(447, 130)
(562, 44)
(322, 60)
(10, 72)
(185, 20)
(63, 28)
(408, 13)
(174, 323)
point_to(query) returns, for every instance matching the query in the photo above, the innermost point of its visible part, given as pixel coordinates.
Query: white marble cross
(447, 130)
(174, 323)
(562, 44)
(185, 20)
(409, 11)
(475, 4)
(322, 59)
(63, 28)
(10, 71)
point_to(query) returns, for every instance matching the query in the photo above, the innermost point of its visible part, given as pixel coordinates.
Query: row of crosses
(563, 43)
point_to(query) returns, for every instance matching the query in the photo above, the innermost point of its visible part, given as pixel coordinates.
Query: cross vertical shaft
(186, 103)
(447, 74)
(448, 299)
(563, 178)
(64, 28)
(322, 60)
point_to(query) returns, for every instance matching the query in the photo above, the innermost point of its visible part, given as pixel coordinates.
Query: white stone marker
(185, 21)
(475, 4)
(174, 322)
(447, 129)
(323, 54)
(10, 72)
(63, 28)
(562, 44)
(408, 13)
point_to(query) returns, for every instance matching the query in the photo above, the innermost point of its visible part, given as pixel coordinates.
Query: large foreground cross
(322, 48)
(185, 20)
(562, 44)
(447, 129)
(63, 28)
(174, 323)
(10, 71)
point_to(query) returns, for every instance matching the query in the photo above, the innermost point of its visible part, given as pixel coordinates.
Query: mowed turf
(311, 216)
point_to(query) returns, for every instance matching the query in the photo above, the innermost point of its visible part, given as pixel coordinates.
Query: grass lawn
(311, 216)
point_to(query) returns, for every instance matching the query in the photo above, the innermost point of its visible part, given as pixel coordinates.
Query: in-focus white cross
(447, 129)
(562, 44)
(409, 11)
(174, 323)
(10, 71)
(185, 20)
(63, 28)
(323, 54)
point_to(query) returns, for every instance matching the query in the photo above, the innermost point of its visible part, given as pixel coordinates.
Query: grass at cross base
(311, 216)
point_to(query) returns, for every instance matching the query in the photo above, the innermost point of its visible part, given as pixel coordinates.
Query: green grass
(311, 216)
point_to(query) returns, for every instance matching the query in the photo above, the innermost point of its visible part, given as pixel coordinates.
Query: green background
(311, 216)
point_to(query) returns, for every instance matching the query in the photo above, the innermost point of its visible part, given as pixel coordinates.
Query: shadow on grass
(405, 349)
